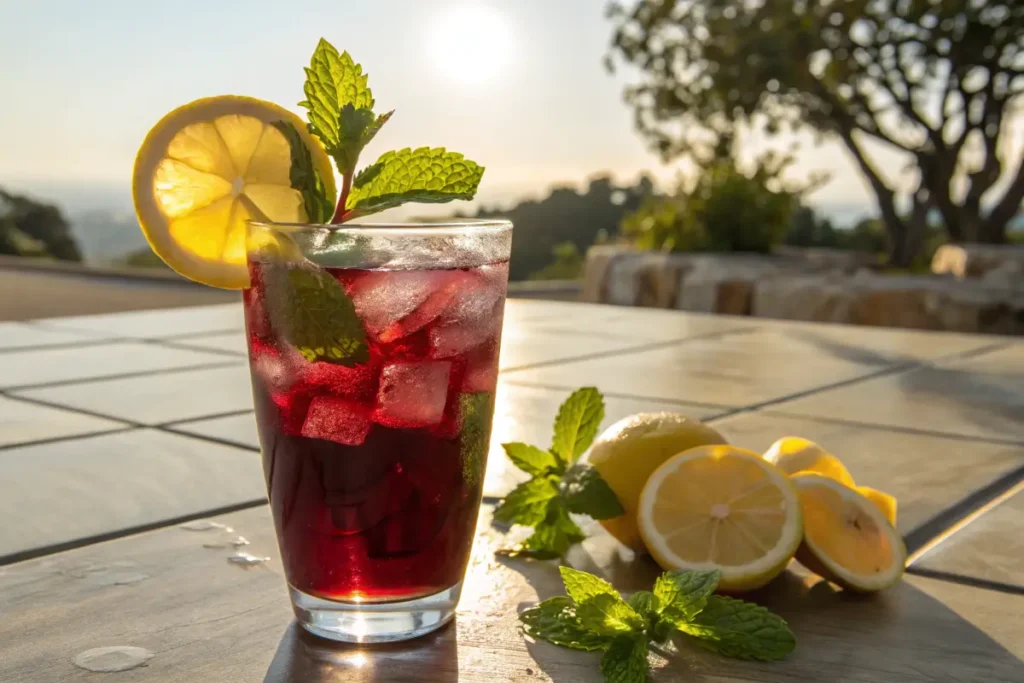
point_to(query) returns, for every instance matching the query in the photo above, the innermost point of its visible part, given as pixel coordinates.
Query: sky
(517, 85)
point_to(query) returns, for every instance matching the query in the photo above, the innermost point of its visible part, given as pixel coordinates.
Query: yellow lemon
(725, 508)
(793, 454)
(628, 452)
(206, 169)
(847, 538)
(883, 501)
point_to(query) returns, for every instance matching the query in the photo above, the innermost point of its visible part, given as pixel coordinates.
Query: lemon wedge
(725, 508)
(206, 169)
(847, 538)
(793, 454)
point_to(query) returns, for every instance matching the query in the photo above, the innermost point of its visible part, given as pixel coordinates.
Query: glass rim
(470, 226)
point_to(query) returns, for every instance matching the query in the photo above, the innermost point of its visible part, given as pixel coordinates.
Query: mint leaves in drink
(559, 485)
(593, 616)
(341, 114)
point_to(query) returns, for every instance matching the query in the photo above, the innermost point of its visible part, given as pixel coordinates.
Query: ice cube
(359, 382)
(412, 394)
(447, 287)
(479, 297)
(336, 419)
(382, 298)
(279, 369)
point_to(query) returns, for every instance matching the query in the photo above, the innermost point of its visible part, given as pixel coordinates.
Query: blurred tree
(566, 216)
(31, 228)
(808, 229)
(725, 210)
(568, 264)
(937, 80)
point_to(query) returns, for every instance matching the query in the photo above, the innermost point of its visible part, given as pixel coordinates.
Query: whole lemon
(630, 450)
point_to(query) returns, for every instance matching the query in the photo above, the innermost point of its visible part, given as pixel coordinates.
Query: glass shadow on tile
(157, 398)
(60, 492)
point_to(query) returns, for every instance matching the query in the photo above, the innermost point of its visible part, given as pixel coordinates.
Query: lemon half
(628, 452)
(725, 508)
(208, 167)
(847, 538)
(793, 454)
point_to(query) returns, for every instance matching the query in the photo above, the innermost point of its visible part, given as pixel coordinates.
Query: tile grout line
(123, 375)
(211, 416)
(973, 582)
(726, 410)
(891, 428)
(67, 437)
(206, 437)
(56, 548)
(640, 348)
(945, 524)
(81, 411)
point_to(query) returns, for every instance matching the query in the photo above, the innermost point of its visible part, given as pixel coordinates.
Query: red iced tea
(374, 468)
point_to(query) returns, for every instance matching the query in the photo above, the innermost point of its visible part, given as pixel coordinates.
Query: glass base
(351, 622)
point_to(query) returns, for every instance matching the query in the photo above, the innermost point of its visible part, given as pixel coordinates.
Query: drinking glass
(373, 351)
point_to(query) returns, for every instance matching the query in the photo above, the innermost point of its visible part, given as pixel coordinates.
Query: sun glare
(470, 44)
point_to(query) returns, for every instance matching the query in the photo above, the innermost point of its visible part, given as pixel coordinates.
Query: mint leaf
(304, 178)
(527, 504)
(586, 493)
(684, 593)
(581, 586)
(645, 603)
(530, 459)
(332, 81)
(551, 538)
(474, 434)
(576, 424)
(735, 628)
(608, 615)
(408, 175)
(316, 316)
(555, 621)
(626, 660)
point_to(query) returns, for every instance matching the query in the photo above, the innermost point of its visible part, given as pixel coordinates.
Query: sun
(470, 44)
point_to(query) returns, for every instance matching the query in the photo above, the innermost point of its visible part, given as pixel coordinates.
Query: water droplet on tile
(247, 559)
(205, 525)
(215, 544)
(240, 541)
(112, 659)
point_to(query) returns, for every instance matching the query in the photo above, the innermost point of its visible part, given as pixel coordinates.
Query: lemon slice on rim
(208, 167)
(847, 538)
(793, 454)
(725, 508)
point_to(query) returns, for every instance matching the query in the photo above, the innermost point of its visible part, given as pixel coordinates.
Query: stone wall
(800, 286)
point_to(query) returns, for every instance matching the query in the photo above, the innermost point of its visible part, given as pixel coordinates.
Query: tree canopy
(938, 80)
(32, 228)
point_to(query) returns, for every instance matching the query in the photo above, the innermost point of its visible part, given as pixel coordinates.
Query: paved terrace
(115, 429)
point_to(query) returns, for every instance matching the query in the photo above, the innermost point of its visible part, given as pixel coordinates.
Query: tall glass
(374, 358)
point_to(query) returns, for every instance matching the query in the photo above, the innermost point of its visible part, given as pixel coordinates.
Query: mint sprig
(593, 616)
(340, 113)
(559, 485)
(304, 178)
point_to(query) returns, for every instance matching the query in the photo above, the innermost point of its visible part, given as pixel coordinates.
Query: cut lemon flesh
(206, 169)
(793, 454)
(847, 538)
(725, 508)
